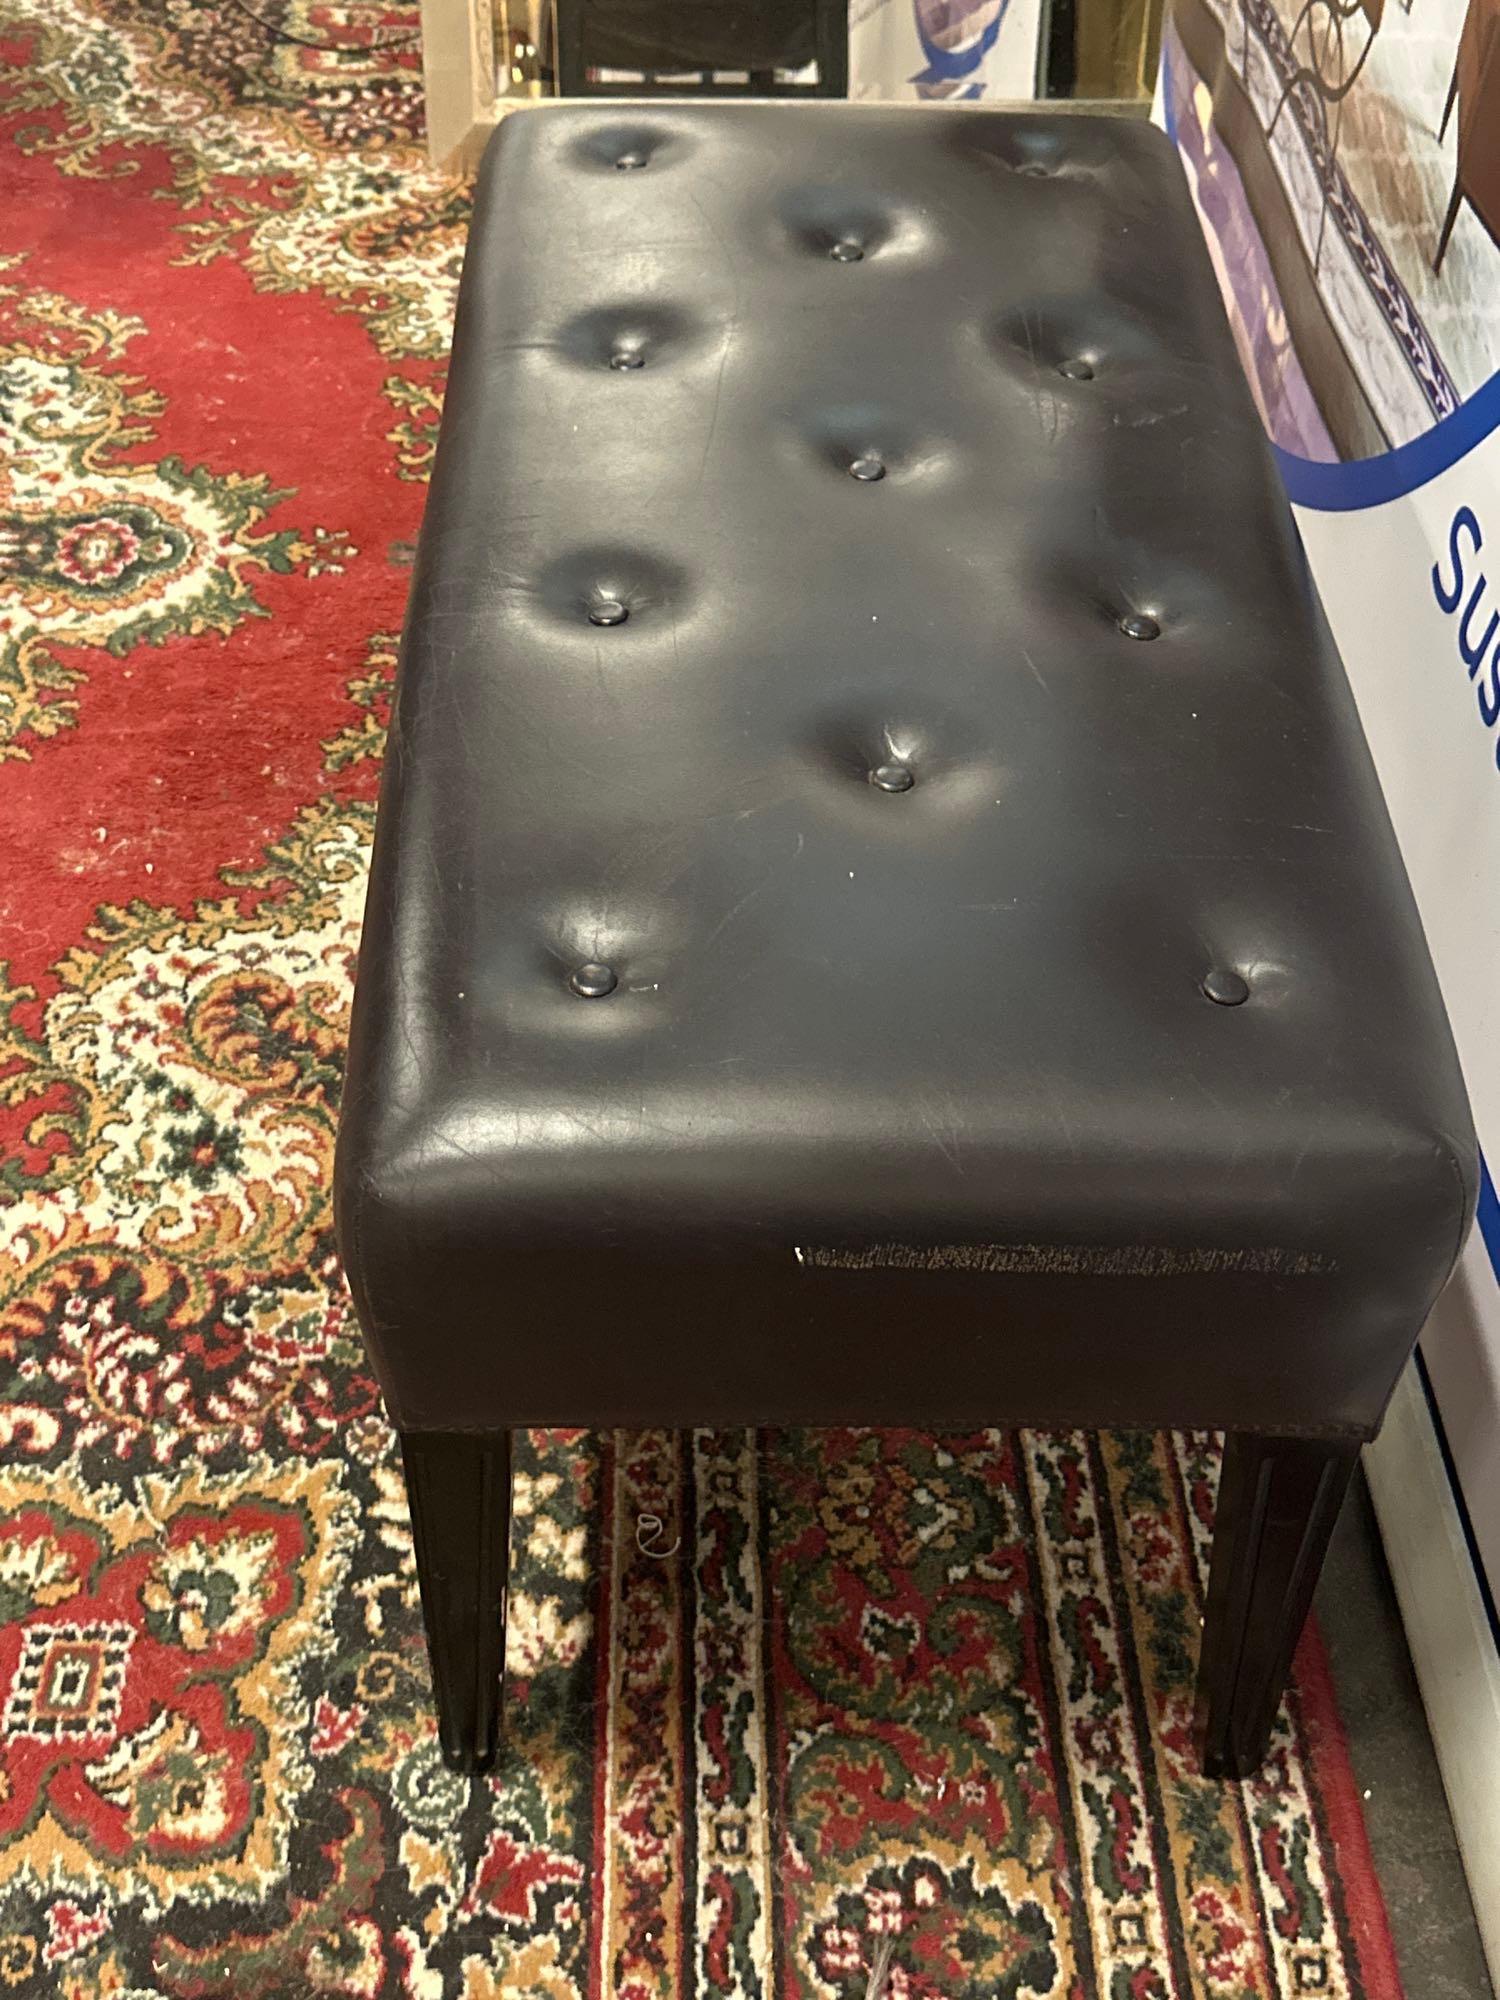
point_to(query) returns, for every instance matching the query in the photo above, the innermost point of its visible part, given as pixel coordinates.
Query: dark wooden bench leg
(1278, 1501)
(458, 1488)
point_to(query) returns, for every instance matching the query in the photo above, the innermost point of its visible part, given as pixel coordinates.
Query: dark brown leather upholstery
(907, 1105)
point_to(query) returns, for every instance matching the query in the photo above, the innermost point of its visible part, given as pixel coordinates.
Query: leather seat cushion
(907, 1104)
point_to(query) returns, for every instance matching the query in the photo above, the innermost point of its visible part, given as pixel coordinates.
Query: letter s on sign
(1489, 697)
(1448, 599)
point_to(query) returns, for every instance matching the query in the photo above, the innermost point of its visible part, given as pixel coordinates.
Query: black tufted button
(846, 251)
(1077, 370)
(627, 357)
(868, 466)
(627, 161)
(892, 778)
(608, 611)
(593, 981)
(1225, 988)
(1140, 625)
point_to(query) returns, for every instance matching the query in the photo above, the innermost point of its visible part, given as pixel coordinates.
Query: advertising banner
(1345, 159)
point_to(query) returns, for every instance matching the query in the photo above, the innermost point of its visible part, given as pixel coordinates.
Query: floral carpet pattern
(833, 1715)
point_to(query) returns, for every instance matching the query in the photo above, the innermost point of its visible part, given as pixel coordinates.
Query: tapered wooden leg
(1448, 107)
(1449, 219)
(458, 1487)
(1278, 1501)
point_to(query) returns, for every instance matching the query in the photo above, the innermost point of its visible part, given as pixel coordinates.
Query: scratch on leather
(1134, 1260)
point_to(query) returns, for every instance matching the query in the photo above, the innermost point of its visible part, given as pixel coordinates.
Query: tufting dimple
(893, 740)
(1078, 337)
(1059, 149)
(868, 442)
(633, 334)
(606, 587)
(847, 225)
(1149, 587)
(624, 147)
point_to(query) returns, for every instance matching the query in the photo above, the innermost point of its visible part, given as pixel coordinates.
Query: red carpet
(890, 1714)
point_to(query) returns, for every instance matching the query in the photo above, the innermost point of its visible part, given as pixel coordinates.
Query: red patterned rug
(797, 1715)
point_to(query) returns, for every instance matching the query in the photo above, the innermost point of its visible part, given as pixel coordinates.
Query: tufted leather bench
(882, 911)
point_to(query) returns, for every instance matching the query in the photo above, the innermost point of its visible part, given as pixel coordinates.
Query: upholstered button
(832, 218)
(633, 142)
(1077, 370)
(631, 333)
(892, 778)
(1225, 988)
(867, 466)
(1140, 625)
(608, 611)
(593, 981)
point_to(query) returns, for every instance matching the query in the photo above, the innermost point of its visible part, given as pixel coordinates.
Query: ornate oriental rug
(793, 1715)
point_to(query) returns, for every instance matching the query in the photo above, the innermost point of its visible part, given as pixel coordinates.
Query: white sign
(1410, 577)
(1366, 307)
(943, 50)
